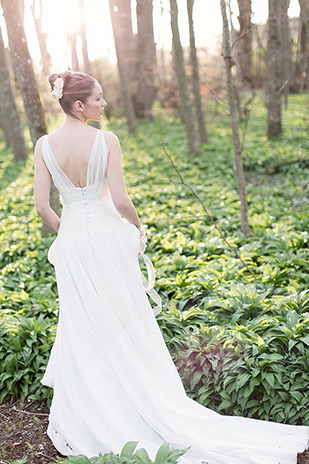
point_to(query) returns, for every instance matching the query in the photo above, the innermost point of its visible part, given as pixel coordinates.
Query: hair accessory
(57, 91)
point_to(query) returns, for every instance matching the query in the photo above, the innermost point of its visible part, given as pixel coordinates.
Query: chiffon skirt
(113, 377)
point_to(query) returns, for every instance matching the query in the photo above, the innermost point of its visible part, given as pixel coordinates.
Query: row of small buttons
(87, 210)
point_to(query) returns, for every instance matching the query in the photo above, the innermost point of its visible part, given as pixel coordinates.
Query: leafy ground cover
(239, 341)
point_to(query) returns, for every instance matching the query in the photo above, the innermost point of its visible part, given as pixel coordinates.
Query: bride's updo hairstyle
(76, 86)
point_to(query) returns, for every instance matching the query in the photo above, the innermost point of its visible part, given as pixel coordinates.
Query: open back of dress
(112, 374)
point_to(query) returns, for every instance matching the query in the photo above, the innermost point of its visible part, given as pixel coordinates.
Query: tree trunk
(72, 33)
(195, 77)
(185, 103)
(145, 52)
(175, 87)
(4, 130)
(274, 127)
(46, 59)
(82, 32)
(285, 49)
(9, 116)
(121, 34)
(295, 64)
(244, 42)
(27, 83)
(234, 124)
(86, 62)
(124, 31)
(24, 69)
(21, 4)
(72, 40)
(304, 45)
(161, 75)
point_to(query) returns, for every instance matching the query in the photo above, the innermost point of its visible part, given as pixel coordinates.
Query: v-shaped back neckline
(89, 158)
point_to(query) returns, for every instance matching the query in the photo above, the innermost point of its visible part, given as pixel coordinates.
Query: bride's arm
(42, 181)
(115, 180)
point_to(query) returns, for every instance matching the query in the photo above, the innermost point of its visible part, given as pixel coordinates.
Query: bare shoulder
(38, 147)
(111, 139)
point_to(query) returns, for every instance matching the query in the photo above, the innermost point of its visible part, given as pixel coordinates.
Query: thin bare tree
(72, 41)
(146, 58)
(82, 33)
(23, 66)
(24, 69)
(244, 42)
(304, 45)
(122, 31)
(10, 120)
(122, 16)
(229, 62)
(37, 13)
(72, 33)
(195, 77)
(285, 48)
(274, 126)
(186, 108)
(22, 9)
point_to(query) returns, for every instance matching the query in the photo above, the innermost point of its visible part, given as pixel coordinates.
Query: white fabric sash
(148, 285)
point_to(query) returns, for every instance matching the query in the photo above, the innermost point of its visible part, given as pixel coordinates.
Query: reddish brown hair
(77, 86)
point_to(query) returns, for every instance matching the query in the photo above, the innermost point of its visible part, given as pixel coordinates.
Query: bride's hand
(143, 240)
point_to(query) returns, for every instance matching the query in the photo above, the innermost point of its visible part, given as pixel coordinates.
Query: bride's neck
(69, 120)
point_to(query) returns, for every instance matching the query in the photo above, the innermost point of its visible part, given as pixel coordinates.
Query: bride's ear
(79, 106)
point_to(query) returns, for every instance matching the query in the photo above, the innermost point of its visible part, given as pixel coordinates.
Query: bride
(112, 376)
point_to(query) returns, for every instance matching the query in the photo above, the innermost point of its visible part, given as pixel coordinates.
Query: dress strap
(148, 284)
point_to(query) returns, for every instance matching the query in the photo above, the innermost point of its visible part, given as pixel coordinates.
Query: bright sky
(56, 19)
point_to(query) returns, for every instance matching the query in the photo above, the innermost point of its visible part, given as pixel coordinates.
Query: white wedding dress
(113, 377)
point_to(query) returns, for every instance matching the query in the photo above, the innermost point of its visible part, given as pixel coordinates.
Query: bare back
(72, 149)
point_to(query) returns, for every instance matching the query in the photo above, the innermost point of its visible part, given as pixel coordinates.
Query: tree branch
(283, 163)
(182, 182)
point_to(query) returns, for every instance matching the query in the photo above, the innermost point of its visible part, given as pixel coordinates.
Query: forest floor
(23, 434)
(23, 431)
(190, 260)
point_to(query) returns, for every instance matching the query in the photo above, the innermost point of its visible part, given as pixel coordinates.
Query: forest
(214, 139)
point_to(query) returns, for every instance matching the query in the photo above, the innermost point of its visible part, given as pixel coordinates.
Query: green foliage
(22, 461)
(25, 347)
(165, 455)
(239, 343)
(260, 370)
